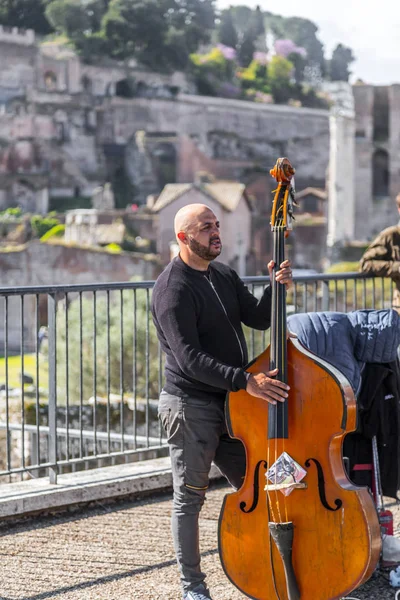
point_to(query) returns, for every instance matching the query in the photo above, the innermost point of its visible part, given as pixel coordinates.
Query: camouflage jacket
(382, 258)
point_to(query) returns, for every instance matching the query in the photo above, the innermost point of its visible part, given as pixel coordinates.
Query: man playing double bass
(198, 307)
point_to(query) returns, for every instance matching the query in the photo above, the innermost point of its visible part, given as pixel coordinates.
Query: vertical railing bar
(134, 370)
(335, 296)
(147, 367)
(95, 372)
(325, 296)
(108, 372)
(295, 297)
(52, 313)
(354, 293)
(373, 292)
(305, 296)
(364, 295)
(80, 376)
(22, 343)
(345, 295)
(6, 374)
(315, 296)
(382, 293)
(67, 375)
(121, 372)
(37, 400)
(391, 287)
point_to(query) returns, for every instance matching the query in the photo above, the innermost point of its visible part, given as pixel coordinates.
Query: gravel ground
(121, 551)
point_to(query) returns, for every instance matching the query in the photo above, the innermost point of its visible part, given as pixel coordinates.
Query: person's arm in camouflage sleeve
(378, 259)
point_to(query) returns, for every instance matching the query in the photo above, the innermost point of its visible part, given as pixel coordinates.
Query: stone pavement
(119, 551)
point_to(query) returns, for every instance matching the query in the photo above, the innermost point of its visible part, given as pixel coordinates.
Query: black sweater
(198, 317)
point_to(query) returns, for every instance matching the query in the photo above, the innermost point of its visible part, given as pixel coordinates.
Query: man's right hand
(263, 386)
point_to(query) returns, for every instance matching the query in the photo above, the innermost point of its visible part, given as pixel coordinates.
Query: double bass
(298, 528)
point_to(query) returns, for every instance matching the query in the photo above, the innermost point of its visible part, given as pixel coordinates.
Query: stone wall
(238, 133)
(377, 158)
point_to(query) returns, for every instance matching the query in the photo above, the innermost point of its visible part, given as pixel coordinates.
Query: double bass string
(278, 344)
(281, 293)
(278, 340)
(272, 408)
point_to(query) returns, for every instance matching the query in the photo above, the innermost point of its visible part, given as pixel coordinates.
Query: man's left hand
(284, 275)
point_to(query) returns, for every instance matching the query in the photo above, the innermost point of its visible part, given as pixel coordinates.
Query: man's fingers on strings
(275, 396)
(277, 383)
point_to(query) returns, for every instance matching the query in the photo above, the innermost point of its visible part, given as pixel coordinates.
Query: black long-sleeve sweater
(198, 317)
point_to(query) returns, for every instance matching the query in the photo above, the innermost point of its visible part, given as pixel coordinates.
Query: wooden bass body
(337, 542)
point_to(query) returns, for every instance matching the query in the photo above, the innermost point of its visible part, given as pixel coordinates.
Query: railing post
(325, 296)
(52, 333)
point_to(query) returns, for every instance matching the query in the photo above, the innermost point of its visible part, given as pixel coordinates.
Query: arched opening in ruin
(164, 161)
(380, 173)
(87, 84)
(124, 88)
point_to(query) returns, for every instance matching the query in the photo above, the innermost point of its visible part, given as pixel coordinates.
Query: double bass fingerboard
(278, 413)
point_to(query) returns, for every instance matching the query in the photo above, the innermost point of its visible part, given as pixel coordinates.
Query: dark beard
(201, 251)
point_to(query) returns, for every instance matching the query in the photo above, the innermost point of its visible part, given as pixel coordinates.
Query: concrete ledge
(36, 495)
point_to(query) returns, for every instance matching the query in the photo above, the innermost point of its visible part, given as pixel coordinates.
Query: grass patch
(14, 370)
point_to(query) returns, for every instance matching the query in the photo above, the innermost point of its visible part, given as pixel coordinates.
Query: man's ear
(182, 237)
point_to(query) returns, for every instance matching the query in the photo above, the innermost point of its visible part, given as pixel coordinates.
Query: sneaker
(200, 592)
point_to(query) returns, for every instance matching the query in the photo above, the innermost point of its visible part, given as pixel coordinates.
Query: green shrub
(343, 267)
(56, 231)
(114, 248)
(41, 225)
(10, 213)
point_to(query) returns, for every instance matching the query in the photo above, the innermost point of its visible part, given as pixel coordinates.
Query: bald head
(189, 216)
(197, 232)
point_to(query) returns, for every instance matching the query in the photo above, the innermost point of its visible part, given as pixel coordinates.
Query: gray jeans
(197, 435)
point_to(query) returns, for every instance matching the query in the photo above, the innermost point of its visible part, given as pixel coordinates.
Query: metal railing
(82, 368)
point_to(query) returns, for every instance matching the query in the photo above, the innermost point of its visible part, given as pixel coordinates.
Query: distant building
(308, 241)
(228, 200)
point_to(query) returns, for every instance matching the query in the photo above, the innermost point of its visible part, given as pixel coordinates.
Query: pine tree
(227, 33)
(247, 47)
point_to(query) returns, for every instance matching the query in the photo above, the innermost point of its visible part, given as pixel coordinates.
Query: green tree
(27, 14)
(303, 33)
(257, 22)
(69, 17)
(96, 9)
(227, 33)
(241, 16)
(275, 24)
(279, 73)
(342, 57)
(136, 28)
(159, 33)
(135, 344)
(196, 18)
(247, 47)
(299, 63)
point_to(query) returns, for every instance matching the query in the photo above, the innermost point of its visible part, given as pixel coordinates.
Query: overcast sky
(370, 27)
